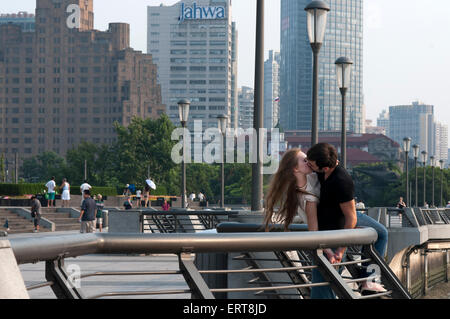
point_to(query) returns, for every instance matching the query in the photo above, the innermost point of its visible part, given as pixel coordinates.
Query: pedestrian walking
(87, 216)
(51, 185)
(36, 212)
(100, 207)
(65, 197)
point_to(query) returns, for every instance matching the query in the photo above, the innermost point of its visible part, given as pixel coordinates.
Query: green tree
(42, 167)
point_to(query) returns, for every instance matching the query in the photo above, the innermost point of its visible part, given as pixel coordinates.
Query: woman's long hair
(283, 192)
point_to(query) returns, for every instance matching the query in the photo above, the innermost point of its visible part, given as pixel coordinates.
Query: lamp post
(258, 113)
(441, 165)
(416, 150)
(183, 108)
(223, 121)
(317, 12)
(424, 162)
(433, 164)
(406, 149)
(343, 74)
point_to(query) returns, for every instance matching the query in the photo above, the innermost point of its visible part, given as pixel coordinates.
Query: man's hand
(331, 256)
(339, 255)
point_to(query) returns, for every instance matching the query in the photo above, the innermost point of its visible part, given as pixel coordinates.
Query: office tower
(234, 78)
(192, 45)
(383, 121)
(24, 19)
(415, 121)
(246, 107)
(272, 90)
(343, 37)
(67, 83)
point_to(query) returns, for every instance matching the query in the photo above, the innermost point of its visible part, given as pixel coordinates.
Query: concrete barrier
(12, 286)
(125, 222)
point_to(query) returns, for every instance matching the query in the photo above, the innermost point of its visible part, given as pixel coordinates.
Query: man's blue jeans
(380, 246)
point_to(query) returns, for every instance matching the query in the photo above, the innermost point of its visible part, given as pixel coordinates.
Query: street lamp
(424, 162)
(416, 150)
(433, 164)
(441, 165)
(223, 121)
(343, 73)
(406, 149)
(183, 108)
(317, 12)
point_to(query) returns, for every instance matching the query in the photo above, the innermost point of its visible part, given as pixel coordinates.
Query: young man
(337, 210)
(51, 185)
(87, 216)
(100, 207)
(36, 212)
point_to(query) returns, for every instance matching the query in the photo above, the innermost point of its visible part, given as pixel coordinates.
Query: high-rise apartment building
(67, 83)
(415, 121)
(246, 107)
(192, 45)
(441, 141)
(343, 37)
(272, 90)
(24, 19)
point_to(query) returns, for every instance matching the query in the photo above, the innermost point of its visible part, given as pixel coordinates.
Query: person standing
(138, 197)
(337, 210)
(84, 187)
(165, 206)
(36, 212)
(448, 204)
(65, 197)
(87, 216)
(401, 204)
(146, 195)
(51, 185)
(100, 207)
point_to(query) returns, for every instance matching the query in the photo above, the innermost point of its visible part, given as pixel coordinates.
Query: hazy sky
(406, 46)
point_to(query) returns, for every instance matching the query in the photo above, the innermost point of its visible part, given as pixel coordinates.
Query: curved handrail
(32, 250)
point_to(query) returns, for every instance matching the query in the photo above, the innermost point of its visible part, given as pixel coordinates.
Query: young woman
(65, 197)
(295, 189)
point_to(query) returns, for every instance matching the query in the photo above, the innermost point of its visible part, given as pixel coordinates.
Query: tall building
(343, 37)
(246, 107)
(192, 44)
(234, 78)
(272, 90)
(67, 83)
(383, 121)
(24, 19)
(441, 141)
(415, 121)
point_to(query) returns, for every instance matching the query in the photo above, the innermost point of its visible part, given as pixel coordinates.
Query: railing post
(425, 263)
(446, 265)
(199, 288)
(62, 288)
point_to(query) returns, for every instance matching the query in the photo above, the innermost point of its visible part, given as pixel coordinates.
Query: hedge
(30, 189)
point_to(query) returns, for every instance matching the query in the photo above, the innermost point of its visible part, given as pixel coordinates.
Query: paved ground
(34, 274)
(441, 291)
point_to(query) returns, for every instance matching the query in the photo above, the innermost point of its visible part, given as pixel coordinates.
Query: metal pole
(432, 192)
(258, 120)
(16, 168)
(222, 167)
(85, 170)
(417, 182)
(407, 179)
(343, 130)
(183, 173)
(442, 188)
(315, 106)
(424, 183)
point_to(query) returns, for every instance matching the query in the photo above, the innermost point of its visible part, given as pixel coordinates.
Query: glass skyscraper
(343, 37)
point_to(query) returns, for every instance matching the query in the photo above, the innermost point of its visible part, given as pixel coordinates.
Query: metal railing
(182, 221)
(53, 251)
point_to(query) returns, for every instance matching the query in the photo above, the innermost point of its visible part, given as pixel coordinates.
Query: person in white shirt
(448, 204)
(84, 187)
(51, 185)
(138, 197)
(192, 197)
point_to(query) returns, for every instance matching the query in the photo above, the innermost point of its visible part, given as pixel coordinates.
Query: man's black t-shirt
(336, 190)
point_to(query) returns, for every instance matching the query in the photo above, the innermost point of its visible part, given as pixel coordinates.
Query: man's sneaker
(372, 288)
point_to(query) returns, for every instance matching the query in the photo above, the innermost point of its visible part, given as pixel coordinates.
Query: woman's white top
(312, 194)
